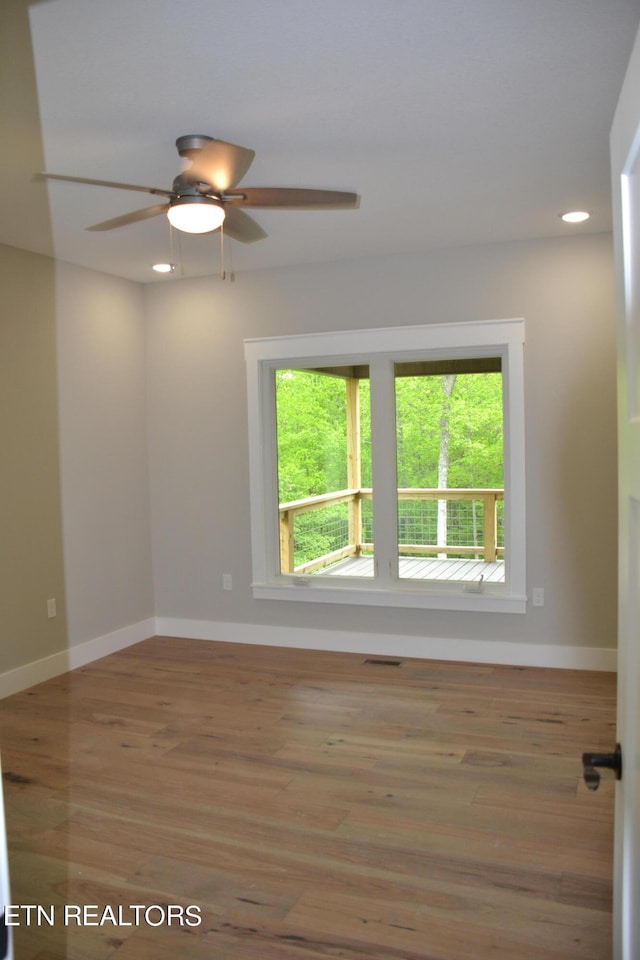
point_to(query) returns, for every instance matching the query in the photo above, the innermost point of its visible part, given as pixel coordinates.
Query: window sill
(409, 597)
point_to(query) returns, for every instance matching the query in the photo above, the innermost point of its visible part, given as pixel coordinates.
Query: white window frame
(381, 348)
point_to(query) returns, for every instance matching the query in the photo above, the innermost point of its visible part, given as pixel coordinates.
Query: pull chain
(222, 271)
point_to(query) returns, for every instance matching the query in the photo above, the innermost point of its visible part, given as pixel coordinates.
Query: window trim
(381, 347)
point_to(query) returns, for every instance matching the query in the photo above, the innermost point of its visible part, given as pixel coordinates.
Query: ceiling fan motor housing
(190, 187)
(190, 142)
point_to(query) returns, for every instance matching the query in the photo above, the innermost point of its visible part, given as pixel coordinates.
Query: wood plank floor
(312, 805)
(423, 568)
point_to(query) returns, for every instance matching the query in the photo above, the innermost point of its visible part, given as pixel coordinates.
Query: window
(323, 431)
(450, 470)
(387, 466)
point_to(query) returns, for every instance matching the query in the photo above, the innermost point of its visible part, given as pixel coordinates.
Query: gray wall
(31, 563)
(198, 426)
(103, 452)
(74, 485)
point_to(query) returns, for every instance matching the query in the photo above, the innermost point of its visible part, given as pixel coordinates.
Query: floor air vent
(383, 663)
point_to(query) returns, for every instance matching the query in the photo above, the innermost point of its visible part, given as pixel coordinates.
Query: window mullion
(269, 491)
(385, 484)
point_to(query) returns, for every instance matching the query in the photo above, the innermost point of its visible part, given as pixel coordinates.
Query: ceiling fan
(205, 194)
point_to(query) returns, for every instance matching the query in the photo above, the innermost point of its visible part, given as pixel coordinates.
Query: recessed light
(163, 267)
(574, 216)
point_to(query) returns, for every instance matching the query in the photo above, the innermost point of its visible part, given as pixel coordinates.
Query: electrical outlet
(537, 597)
(51, 609)
(227, 582)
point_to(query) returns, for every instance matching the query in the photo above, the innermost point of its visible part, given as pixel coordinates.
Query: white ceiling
(457, 121)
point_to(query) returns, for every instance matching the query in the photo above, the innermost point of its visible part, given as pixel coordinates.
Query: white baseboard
(77, 656)
(426, 648)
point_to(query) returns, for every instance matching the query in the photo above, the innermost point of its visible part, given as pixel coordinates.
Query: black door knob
(610, 761)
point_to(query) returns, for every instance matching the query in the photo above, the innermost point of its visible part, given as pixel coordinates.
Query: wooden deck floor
(311, 805)
(420, 568)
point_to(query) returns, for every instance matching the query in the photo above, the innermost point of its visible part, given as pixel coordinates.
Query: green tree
(312, 438)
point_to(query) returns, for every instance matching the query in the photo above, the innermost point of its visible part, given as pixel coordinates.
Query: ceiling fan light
(195, 214)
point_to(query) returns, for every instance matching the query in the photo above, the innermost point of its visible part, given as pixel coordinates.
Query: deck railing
(356, 545)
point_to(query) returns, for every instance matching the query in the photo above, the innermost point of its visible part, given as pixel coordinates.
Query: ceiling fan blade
(292, 198)
(240, 226)
(105, 183)
(220, 164)
(134, 217)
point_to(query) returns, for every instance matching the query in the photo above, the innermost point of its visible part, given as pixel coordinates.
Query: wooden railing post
(286, 542)
(490, 505)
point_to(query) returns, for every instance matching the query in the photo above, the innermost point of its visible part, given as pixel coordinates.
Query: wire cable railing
(318, 531)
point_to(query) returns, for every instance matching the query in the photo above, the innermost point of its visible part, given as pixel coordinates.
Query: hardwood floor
(311, 805)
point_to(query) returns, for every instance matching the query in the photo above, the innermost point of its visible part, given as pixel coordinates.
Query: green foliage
(312, 434)
(475, 430)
